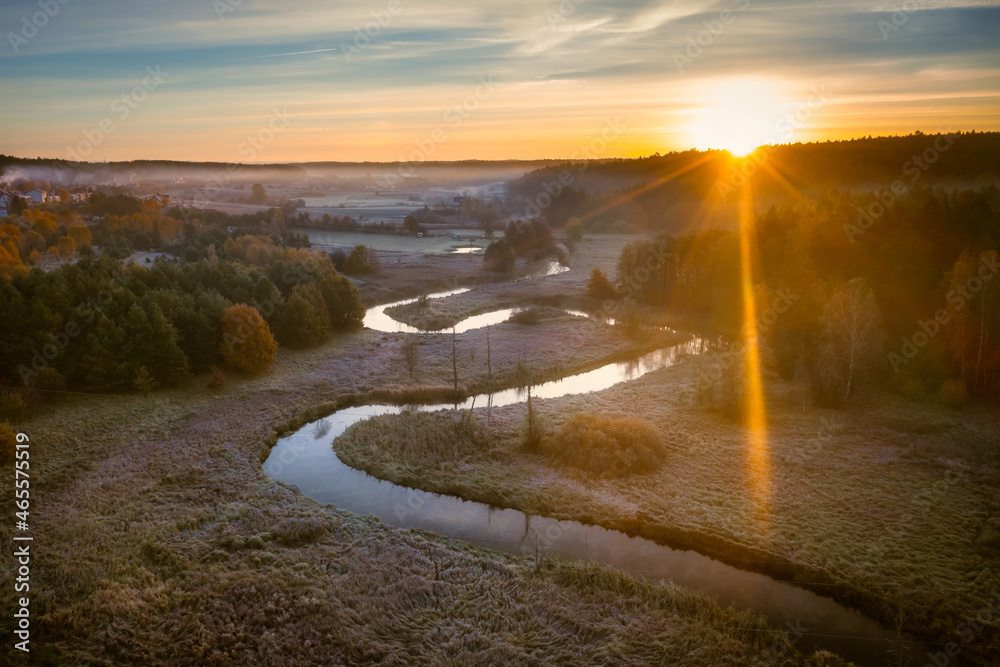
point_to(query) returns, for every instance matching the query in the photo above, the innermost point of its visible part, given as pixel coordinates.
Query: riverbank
(158, 540)
(913, 543)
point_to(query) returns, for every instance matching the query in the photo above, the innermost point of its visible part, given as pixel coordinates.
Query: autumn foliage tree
(247, 343)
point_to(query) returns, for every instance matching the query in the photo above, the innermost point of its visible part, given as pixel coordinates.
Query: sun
(737, 115)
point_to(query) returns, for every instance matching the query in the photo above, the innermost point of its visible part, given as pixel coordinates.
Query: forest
(634, 194)
(107, 324)
(911, 303)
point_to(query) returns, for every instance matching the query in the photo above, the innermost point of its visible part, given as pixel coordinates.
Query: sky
(386, 80)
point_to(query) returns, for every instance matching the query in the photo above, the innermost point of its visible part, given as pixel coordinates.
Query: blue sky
(561, 70)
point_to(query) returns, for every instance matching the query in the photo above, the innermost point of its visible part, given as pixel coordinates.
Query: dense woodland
(633, 194)
(107, 324)
(912, 300)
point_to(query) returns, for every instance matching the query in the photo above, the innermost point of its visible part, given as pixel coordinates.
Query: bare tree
(454, 359)
(411, 355)
(525, 378)
(853, 326)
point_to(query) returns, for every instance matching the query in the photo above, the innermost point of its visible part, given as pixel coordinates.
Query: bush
(339, 259)
(953, 394)
(50, 380)
(608, 446)
(599, 287)
(362, 261)
(8, 443)
(296, 531)
(218, 379)
(528, 316)
(12, 406)
(499, 256)
(574, 229)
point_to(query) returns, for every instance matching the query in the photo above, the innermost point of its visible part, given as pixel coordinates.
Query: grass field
(158, 540)
(889, 506)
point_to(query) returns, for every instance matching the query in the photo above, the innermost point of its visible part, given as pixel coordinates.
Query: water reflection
(311, 464)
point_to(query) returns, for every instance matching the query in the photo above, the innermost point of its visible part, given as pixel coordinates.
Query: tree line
(913, 302)
(104, 324)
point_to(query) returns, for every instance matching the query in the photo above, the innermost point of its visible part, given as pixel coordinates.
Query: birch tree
(854, 334)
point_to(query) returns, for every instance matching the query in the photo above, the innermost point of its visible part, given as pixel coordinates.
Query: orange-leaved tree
(247, 342)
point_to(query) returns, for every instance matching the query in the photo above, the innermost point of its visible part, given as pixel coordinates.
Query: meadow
(887, 506)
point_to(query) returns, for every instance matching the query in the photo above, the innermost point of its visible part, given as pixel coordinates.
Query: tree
(499, 256)
(534, 429)
(304, 320)
(80, 234)
(143, 381)
(102, 364)
(17, 206)
(599, 287)
(411, 355)
(853, 330)
(67, 246)
(343, 303)
(247, 343)
(411, 223)
(63, 195)
(258, 195)
(152, 343)
(361, 261)
(454, 358)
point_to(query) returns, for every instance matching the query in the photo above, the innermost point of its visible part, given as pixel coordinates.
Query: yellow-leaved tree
(247, 343)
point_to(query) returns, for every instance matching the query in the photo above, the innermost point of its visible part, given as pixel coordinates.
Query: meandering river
(307, 460)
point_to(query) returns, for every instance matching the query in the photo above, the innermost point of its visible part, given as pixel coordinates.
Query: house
(5, 199)
(37, 196)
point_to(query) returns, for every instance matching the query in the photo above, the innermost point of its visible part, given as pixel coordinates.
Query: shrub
(499, 256)
(49, 379)
(608, 446)
(528, 316)
(361, 261)
(599, 287)
(296, 531)
(12, 406)
(574, 229)
(218, 379)
(339, 258)
(953, 393)
(8, 443)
